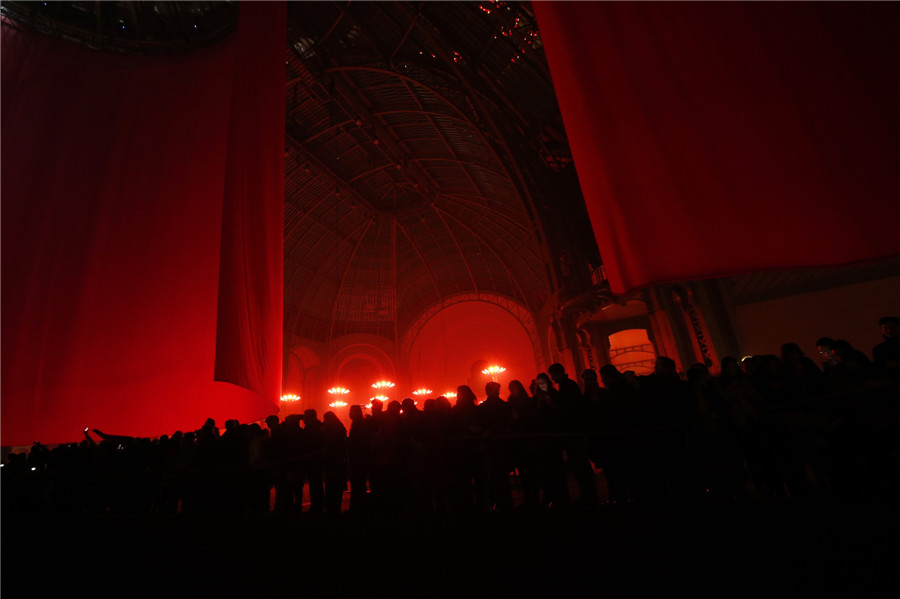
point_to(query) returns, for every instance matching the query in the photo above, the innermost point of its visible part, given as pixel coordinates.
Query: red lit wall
(848, 312)
(457, 337)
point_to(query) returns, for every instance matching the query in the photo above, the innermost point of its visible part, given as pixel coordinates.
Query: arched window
(632, 349)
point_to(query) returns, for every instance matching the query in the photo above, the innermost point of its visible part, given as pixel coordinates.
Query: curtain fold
(116, 171)
(714, 139)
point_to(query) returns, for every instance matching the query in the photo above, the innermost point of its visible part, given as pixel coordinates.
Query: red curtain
(141, 233)
(714, 138)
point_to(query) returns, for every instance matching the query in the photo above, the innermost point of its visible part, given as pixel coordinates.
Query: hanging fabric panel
(119, 177)
(713, 139)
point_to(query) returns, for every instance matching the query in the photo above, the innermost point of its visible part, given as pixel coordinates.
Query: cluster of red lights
(382, 387)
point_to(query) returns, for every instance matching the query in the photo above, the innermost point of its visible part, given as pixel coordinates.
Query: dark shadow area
(828, 548)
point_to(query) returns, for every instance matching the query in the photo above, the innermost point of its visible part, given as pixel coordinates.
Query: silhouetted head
(750, 365)
(394, 408)
(492, 389)
(698, 374)
(543, 382)
(890, 326)
(771, 365)
(517, 389)
(408, 405)
(310, 416)
(443, 404)
(356, 412)
(377, 406)
(791, 351)
(610, 375)
(824, 344)
(465, 396)
(331, 418)
(589, 375)
(730, 367)
(557, 372)
(272, 421)
(664, 366)
(842, 348)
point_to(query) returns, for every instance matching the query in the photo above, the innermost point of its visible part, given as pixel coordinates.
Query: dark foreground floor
(822, 548)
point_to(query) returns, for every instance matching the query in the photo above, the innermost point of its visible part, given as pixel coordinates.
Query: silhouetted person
(378, 459)
(667, 403)
(390, 456)
(803, 377)
(290, 441)
(825, 346)
(525, 447)
(413, 463)
(359, 456)
(496, 420)
(854, 368)
(575, 417)
(886, 355)
(334, 437)
(259, 461)
(231, 466)
(470, 477)
(438, 448)
(618, 417)
(553, 468)
(314, 461)
(714, 461)
(591, 389)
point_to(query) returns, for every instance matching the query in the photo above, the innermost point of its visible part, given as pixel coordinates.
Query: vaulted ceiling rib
(387, 127)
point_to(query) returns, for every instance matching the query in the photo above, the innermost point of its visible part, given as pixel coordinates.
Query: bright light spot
(493, 370)
(450, 394)
(383, 385)
(381, 398)
(290, 397)
(339, 391)
(33, 468)
(337, 404)
(422, 391)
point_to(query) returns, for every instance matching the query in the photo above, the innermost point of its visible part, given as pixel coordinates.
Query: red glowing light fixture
(422, 391)
(450, 394)
(337, 404)
(290, 397)
(338, 391)
(381, 398)
(493, 371)
(383, 385)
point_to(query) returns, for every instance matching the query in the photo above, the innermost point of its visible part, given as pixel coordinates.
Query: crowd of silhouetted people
(767, 427)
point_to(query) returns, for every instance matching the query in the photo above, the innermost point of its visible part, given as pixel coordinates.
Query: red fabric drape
(718, 138)
(126, 188)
